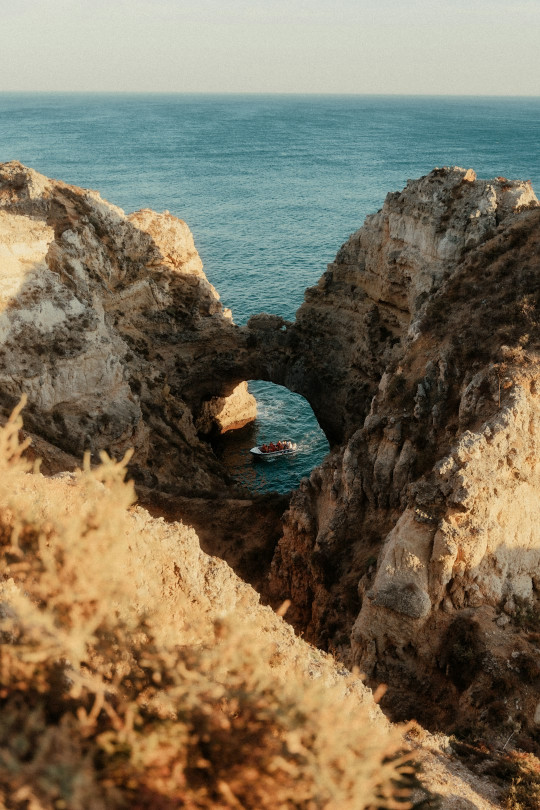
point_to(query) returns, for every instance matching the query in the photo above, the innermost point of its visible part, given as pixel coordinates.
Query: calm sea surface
(270, 186)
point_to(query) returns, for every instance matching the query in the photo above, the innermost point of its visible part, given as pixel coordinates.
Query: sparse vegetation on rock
(111, 697)
(413, 551)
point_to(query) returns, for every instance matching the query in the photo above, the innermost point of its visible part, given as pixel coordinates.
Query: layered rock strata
(353, 324)
(112, 330)
(415, 548)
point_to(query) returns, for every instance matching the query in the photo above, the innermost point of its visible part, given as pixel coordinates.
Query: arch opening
(281, 414)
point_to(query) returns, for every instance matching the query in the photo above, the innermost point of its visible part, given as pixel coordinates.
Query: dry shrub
(524, 772)
(95, 713)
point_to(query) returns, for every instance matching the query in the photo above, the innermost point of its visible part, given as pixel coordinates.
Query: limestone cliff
(111, 328)
(352, 325)
(415, 548)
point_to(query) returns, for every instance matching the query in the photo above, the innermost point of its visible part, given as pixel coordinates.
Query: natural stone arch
(281, 414)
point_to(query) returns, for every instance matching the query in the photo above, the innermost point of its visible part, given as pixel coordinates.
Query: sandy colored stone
(424, 521)
(418, 350)
(228, 413)
(110, 327)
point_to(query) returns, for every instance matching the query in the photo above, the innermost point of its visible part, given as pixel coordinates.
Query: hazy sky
(304, 46)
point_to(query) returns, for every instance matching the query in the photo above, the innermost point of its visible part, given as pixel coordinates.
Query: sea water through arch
(280, 415)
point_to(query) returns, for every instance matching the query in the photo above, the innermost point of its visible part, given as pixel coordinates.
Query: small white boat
(287, 451)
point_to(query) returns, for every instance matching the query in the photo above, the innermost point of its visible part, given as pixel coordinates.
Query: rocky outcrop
(355, 322)
(414, 549)
(221, 414)
(112, 330)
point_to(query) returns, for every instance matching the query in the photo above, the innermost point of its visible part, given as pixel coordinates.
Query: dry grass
(524, 772)
(97, 713)
(517, 772)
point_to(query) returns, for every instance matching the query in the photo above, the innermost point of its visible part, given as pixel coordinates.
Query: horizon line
(292, 93)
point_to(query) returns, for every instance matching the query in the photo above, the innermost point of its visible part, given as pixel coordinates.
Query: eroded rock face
(221, 414)
(414, 549)
(353, 324)
(111, 328)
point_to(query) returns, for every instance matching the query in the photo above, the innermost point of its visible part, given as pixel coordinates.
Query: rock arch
(417, 350)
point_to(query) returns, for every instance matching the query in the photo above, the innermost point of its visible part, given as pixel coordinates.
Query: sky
(442, 47)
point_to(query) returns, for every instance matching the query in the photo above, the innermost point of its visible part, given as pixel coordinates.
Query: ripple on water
(280, 415)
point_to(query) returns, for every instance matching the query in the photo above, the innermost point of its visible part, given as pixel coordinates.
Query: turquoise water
(280, 415)
(271, 186)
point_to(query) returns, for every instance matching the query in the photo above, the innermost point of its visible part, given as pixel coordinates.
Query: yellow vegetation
(98, 711)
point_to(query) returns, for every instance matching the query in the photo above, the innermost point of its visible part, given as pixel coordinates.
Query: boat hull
(258, 452)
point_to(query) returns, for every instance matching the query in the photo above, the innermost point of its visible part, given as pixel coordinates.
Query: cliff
(352, 326)
(414, 549)
(111, 329)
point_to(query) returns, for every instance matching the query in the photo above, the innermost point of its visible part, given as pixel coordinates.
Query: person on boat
(264, 448)
(273, 447)
(280, 445)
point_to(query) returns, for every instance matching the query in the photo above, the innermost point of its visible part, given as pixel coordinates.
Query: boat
(287, 451)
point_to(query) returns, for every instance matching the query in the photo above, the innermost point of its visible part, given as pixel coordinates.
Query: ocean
(270, 186)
